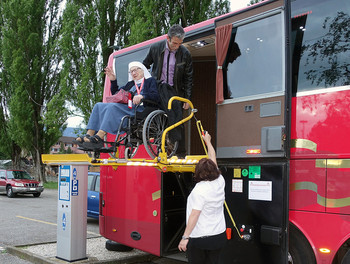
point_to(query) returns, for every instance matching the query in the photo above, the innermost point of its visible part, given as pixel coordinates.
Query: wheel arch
(342, 250)
(298, 230)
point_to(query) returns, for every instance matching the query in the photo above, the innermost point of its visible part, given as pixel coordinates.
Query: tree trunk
(39, 167)
(16, 156)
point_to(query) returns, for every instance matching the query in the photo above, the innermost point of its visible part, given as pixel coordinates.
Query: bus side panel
(322, 231)
(307, 185)
(132, 207)
(239, 129)
(257, 197)
(320, 125)
(338, 186)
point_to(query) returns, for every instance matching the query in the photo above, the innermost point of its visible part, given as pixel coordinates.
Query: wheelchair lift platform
(161, 162)
(172, 164)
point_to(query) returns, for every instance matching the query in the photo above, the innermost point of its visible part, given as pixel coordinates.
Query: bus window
(321, 44)
(122, 61)
(257, 67)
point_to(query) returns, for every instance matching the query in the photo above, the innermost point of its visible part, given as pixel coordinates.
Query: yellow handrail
(162, 154)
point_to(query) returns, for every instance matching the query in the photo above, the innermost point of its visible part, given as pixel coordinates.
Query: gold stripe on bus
(336, 203)
(156, 195)
(338, 163)
(321, 163)
(304, 143)
(326, 202)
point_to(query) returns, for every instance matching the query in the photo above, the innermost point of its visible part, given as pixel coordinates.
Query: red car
(13, 182)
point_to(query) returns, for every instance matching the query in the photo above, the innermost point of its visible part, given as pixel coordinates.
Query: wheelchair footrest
(99, 150)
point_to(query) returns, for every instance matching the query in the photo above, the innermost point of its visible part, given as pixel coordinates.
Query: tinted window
(97, 186)
(90, 181)
(254, 61)
(121, 63)
(18, 175)
(321, 44)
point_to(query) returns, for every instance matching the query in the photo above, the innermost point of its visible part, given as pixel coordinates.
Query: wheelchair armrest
(150, 102)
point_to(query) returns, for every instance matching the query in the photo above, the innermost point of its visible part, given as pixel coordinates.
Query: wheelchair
(144, 127)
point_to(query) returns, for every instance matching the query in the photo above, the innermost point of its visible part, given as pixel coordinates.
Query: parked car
(93, 195)
(13, 182)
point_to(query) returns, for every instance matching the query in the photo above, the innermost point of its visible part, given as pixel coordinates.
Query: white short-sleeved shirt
(208, 197)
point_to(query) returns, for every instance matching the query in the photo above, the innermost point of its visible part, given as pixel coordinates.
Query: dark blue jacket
(149, 90)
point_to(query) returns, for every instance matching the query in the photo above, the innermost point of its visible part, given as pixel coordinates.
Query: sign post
(71, 212)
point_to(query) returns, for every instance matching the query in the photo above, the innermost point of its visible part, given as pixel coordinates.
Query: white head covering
(146, 73)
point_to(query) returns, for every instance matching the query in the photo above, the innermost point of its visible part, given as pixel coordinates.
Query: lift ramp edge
(173, 164)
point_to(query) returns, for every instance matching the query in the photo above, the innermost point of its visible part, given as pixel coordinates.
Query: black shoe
(95, 143)
(81, 141)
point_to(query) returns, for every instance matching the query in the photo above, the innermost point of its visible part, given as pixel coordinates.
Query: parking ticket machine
(71, 212)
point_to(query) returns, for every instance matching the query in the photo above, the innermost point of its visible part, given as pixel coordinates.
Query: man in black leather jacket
(177, 61)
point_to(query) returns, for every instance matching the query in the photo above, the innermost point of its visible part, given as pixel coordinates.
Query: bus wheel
(300, 250)
(346, 258)
(115, 246)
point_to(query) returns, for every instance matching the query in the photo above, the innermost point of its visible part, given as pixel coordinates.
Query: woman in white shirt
(205, 235)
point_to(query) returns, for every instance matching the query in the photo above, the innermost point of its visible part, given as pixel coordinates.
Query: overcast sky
(237, 4)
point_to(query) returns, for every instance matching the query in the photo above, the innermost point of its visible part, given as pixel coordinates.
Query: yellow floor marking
(48, 223)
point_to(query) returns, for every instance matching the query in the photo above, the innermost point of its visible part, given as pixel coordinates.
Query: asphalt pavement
(28, 234)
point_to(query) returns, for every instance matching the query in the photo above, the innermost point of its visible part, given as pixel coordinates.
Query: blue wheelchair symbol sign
(64, 221)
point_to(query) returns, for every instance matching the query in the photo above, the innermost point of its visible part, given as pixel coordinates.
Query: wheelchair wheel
(155, 123)
(131, 149)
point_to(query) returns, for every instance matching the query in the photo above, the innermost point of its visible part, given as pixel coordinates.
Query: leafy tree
(161, 15)
(252, 2)
(34, 104)
(90, 30)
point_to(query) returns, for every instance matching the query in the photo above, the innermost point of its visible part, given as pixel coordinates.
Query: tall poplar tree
(152, 18)
(34, 104)
(90, 30)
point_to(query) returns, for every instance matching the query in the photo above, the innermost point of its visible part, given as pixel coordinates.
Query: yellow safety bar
(163, 155)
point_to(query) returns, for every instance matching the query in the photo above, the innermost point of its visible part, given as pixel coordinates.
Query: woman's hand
(183, 245)
(110, 74)
(137, 99)
(206, 137)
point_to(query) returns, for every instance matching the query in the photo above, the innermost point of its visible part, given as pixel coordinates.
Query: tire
(155, 123)
(346, 258)
(115, 246)
(36, 194)
(300, 251)
(131, 149)
(9, 192)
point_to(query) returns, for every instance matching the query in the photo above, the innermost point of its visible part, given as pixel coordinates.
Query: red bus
(272, 85)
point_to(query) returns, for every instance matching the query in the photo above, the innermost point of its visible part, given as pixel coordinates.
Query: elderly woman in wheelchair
(106, 117)
(143, 123)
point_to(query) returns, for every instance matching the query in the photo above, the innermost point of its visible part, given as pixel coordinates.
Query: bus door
(252, 133)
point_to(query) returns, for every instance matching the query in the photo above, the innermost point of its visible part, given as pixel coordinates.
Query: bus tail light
(253, 151)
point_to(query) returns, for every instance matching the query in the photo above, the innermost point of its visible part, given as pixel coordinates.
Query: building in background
(64, 144)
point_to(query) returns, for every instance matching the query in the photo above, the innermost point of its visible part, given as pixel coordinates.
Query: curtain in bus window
(321, 44)
(257, 67)
(222, 40)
